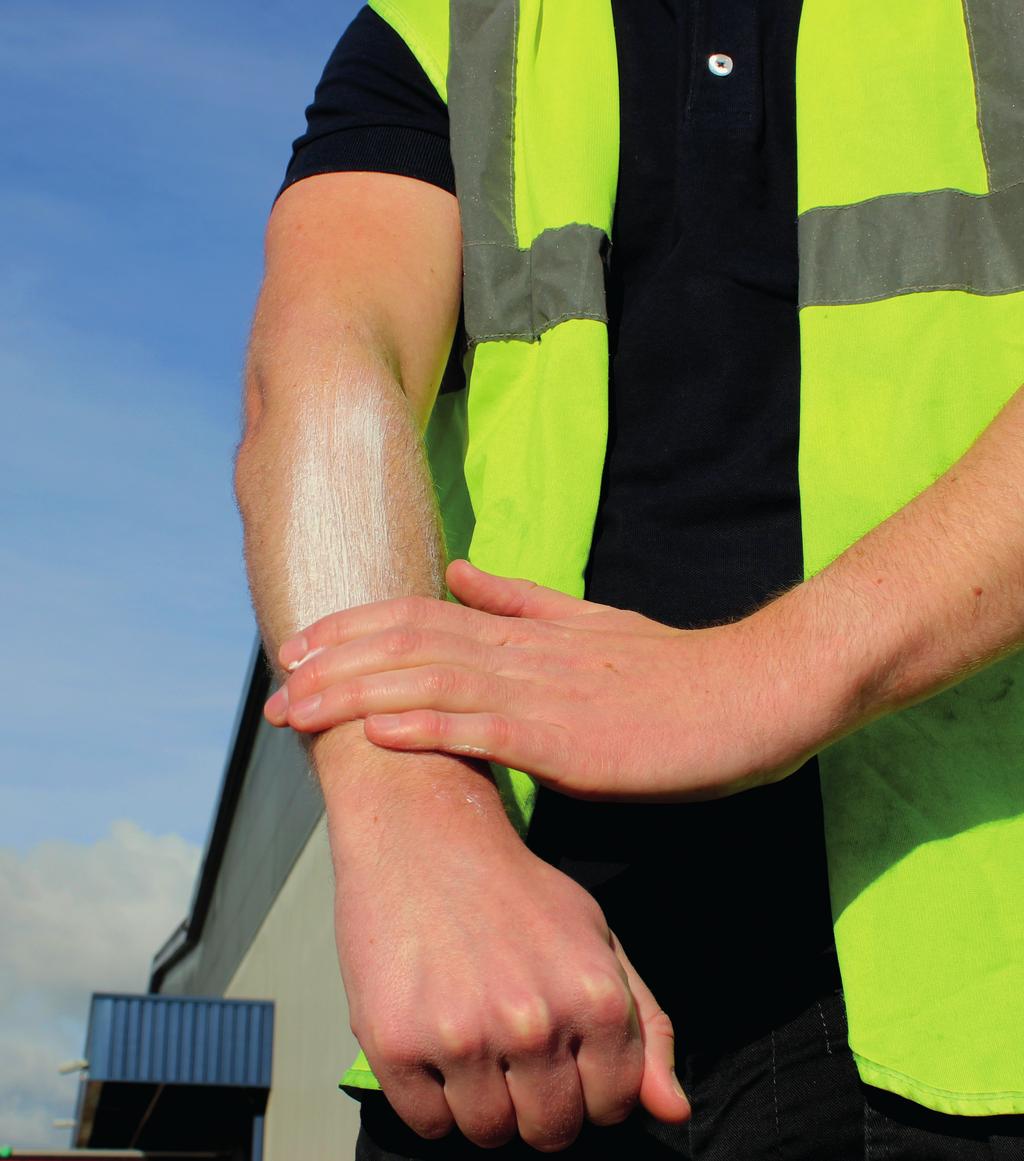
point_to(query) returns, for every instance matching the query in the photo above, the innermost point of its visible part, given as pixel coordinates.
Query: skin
(484, 986)
(601, 703)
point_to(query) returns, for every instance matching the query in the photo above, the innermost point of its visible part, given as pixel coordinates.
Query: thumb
(506, 597)
(661, 1094)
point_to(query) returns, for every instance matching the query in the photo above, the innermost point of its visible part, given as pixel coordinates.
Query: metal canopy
(176, 1074)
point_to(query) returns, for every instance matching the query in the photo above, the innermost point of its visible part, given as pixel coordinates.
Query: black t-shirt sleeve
(374, 109)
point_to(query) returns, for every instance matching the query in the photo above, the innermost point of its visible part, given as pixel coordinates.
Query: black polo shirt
(721, 906)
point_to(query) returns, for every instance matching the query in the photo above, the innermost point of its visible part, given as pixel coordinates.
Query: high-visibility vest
(910, 128)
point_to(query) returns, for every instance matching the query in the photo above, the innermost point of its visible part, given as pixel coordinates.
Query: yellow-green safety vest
(910, 145)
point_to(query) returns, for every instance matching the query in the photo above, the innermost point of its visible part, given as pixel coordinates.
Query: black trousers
(791, 1095)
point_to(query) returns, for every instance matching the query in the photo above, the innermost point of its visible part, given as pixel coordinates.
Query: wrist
(376, 799)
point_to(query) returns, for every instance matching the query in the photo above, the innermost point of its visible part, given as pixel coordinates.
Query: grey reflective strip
(508, 293)
(995, 29)
(481, 98)
(518, 294)
(943, 240)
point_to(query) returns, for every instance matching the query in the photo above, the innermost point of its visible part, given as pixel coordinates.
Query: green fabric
(891, 394)
(535, 418)
(885, 101)
(925, 830)
(924, 810)
(566, 116)
(424, 26)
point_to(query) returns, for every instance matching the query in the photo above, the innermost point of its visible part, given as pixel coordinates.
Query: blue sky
(141, 146)
(141, 149)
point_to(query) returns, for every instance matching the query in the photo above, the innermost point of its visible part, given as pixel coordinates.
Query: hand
(593, 701)
(484, 985)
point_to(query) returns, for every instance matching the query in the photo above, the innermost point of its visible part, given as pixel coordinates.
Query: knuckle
(528, 1027)
(392, 1049)
(311, 673)
(659, 1024)
(498, 730)
(460, 1040)
(438, 681)
(399, 641)
(608, 1001)
(351, 695)
(327, 628)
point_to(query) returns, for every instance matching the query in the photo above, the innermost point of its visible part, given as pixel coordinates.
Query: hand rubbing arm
(464, 957)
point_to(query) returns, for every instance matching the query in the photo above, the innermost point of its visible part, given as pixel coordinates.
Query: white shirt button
(720, 64)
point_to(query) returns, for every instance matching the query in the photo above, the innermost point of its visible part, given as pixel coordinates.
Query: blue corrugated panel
(180, 1040)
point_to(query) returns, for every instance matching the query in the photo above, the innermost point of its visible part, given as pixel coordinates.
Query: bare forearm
(334, 497)
(937, 590)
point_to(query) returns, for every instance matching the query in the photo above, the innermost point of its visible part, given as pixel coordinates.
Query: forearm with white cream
(339, 510)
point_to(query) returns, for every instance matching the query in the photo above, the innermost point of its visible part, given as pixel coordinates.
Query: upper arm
(357, 258)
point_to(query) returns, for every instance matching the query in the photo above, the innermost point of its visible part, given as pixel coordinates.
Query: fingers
(660, 1091)
(389, 650)
(448, 687)
(611, 1060)
(479, 1100)
(536, 747)
(536, 1092)
(548, 1099)
(421, 612)
(417, 1096)
(507, 597)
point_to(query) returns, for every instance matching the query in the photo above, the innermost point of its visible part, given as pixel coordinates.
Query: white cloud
(75, 919)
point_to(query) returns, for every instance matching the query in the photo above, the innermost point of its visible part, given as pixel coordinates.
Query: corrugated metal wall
(171, 1040)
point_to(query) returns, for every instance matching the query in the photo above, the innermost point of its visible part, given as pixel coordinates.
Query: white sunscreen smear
(341, 531)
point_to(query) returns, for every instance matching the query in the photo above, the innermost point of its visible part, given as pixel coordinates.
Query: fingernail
(677, 1086)
(306, 708)
(293, 650)
(277, 704)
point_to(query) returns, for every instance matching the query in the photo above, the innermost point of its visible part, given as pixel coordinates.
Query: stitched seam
(909, 195)
(976, 76)
(530, 335)
(775, 1101)
(824, 1028)
(902, 290)
(512, 124)
(965, 1097)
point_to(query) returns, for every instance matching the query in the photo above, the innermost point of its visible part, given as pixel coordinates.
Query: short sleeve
(374, 109)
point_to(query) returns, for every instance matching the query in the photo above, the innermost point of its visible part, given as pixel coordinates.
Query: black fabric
(700, 520)
(374, 109)
(790, 1095)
